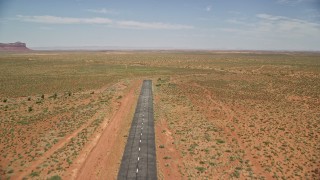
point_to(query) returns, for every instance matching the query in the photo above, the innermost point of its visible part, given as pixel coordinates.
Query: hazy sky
(196, 24)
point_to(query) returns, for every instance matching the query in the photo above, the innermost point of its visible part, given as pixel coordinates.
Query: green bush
(34, 174)
(220, 141)
(10, 171)
(56, 177)
(236, 174)
(30, 109)
(200, 169)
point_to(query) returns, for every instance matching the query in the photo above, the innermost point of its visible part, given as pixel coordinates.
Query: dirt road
(103, 161)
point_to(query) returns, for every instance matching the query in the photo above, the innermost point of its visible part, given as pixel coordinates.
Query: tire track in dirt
(96, 164)
(169, 169)
(48, 153)
(56, 147)
(230, 115)
(258, 69)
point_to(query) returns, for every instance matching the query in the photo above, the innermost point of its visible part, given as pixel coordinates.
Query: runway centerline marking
(139, 158)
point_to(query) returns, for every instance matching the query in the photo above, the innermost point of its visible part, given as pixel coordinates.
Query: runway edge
(146, 166)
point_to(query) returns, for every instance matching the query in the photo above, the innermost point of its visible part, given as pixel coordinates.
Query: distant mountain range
(17, 46)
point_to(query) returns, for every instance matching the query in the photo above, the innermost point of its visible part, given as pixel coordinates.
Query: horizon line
(121, 48)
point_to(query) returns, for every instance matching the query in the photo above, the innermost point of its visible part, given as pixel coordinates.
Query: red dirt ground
(50, 152)
(103, 160)
(167, 168)
(109, 137)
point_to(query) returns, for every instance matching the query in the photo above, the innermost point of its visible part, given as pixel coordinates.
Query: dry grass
(231, 115)
(247, 118)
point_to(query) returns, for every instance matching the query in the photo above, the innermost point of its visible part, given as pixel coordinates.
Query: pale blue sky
(183, 24)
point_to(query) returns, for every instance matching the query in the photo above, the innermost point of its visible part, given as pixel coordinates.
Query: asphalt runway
(139, 158)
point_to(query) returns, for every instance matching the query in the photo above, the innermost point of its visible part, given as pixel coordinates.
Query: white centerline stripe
(137, 170)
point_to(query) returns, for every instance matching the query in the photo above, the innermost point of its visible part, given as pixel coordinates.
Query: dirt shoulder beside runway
(101, 158)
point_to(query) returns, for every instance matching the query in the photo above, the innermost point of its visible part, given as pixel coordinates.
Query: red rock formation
(17, 46)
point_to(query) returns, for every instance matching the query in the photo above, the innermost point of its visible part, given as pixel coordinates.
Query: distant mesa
(17, 46)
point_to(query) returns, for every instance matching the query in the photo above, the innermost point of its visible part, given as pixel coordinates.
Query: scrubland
(219, 115)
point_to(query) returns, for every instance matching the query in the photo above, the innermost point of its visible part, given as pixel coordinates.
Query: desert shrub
(232, 158)
(56, 177)
(54, 96)
(30, 109)
(10, 171)
(69, 161)
(161, 146)
(220, 141)
(266, 143)
(200, 169)
(23, 122)
(5, 100)
(34, 174)
(236, 174)
(207, 137)
(38, 101)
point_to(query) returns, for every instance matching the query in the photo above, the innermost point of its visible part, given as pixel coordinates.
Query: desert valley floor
(218, 115)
